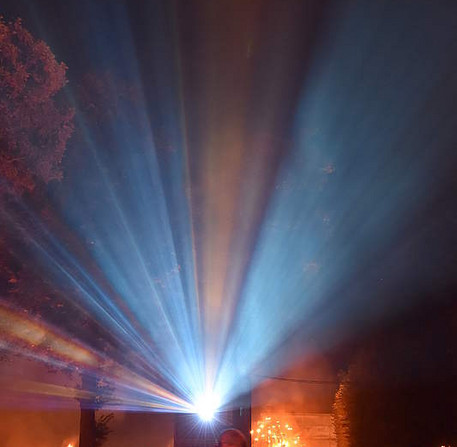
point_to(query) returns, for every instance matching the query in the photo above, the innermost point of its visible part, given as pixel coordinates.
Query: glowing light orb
(206, 406)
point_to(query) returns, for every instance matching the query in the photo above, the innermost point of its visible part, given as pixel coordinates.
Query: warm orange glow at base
(275, 433)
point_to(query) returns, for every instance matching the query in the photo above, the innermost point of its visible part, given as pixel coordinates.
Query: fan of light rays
(200, 241)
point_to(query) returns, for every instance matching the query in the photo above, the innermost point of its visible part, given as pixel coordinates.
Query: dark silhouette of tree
(400, 387)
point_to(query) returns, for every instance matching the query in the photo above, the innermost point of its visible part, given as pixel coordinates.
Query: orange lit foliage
(341, 414)
(400, 388)
(34, 127)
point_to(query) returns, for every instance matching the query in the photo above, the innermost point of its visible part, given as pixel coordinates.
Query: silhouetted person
(232, 438)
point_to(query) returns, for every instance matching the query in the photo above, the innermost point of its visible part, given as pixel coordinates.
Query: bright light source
(206, 406)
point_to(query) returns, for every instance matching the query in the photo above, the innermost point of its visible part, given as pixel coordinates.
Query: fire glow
(275, 433)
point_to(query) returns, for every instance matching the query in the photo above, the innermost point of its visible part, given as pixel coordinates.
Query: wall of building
(20, 428)
(27, 418)
(298, 411)
(141, 430)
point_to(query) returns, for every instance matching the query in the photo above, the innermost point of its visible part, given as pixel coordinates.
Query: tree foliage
(34, 125)
(102, 429)
(34, 129)
(341, 420)
(400, 387)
